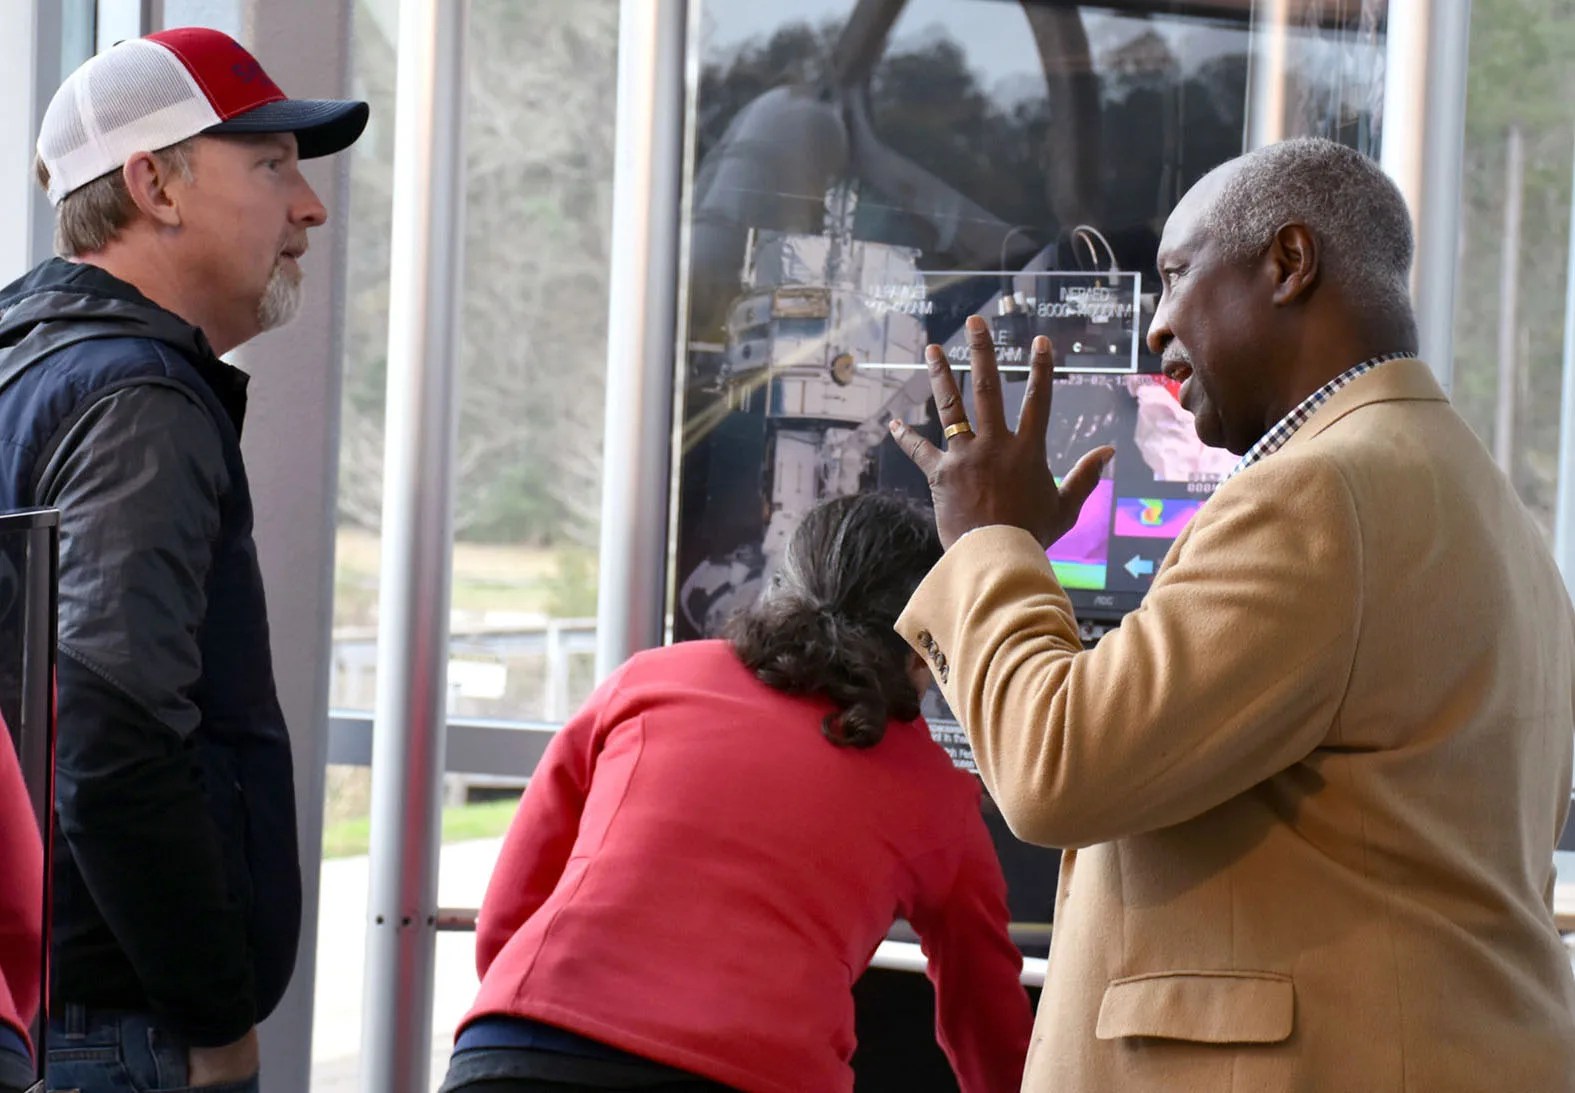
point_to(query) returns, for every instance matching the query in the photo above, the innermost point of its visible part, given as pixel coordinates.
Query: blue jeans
(103, 1051)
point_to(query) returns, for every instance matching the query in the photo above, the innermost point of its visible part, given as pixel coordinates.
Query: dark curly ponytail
(824, 624)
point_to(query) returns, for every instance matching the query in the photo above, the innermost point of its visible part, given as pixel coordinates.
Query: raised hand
(988, 474)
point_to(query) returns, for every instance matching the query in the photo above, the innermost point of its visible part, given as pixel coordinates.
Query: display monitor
(1108, 390)
(1158, 480)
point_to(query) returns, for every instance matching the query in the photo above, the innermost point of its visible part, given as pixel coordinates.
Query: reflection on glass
(28, 553)
(869, 174)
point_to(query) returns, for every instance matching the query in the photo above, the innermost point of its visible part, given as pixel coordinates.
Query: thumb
(1082, 479)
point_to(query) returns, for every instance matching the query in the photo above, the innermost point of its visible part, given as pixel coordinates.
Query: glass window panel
(541, 86)
(1511, 295)
(539, 147)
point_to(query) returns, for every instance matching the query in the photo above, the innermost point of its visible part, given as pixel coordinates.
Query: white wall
(292, 453)
(29, 72)
(291, 442)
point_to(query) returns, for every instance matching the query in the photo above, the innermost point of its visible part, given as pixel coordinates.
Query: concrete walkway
(341, 962)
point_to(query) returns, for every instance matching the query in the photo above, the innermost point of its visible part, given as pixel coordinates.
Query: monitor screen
(1149, 492)
(1109, 390)
(824, 346)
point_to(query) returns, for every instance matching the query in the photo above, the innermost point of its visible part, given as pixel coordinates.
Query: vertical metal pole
(1423, 141)
(40, 615)
(40, 576)
(408, 735)
(642, 313)
(556, 707)
(1509, 302)
(1268, 69)
(1564, 505)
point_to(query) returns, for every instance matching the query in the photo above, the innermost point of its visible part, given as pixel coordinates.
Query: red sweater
(697, 876)
(21, 896)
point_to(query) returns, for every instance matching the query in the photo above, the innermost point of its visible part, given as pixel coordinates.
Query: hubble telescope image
(839, 221)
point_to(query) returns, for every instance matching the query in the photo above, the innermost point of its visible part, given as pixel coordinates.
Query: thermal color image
(1153, 517)
(1079, 557)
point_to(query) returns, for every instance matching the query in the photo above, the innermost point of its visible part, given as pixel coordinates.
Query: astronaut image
(810, 344)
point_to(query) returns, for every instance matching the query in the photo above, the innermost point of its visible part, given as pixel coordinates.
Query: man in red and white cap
(181, 215)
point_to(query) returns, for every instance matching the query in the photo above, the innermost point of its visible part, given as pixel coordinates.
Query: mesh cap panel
(135, 97)
(149, 80)
(149, 93)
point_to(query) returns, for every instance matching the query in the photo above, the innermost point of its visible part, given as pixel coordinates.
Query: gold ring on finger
(957, 429)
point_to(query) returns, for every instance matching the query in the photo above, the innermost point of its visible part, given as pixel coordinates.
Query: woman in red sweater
(712, 848)
(21, 920)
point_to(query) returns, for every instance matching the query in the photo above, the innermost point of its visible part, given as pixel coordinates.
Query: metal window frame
(642, 329)
(1424, 128)
(422, 414)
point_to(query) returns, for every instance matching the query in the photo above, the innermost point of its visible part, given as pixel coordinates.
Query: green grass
(482, 821)
(486, 577)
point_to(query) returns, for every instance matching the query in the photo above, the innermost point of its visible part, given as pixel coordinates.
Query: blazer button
(926, 640)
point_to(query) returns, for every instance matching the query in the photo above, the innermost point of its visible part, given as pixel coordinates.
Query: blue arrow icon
(1139, 566)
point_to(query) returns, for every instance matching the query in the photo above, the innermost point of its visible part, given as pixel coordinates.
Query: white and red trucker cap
(145, 94)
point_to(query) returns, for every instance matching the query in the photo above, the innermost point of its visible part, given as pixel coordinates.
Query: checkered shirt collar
(1276, 438)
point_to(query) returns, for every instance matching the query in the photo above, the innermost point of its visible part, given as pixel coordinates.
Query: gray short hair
(90, 217)
(1352, 207)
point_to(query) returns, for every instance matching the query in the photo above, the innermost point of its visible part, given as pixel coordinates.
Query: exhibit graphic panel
(866, 174)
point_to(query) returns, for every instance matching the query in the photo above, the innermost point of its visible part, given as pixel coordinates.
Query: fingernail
(932, 353)
(975, 324)
(894, 426)
(1041, 344)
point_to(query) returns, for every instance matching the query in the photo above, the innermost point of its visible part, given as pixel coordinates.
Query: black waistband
(498, 1031)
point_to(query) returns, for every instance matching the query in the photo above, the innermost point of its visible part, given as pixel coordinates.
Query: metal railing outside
(540, 654)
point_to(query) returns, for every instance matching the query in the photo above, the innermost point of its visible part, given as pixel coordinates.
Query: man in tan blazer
(1311, 789)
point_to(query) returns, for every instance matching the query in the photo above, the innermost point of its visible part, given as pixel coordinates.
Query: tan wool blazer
(1310, 789)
